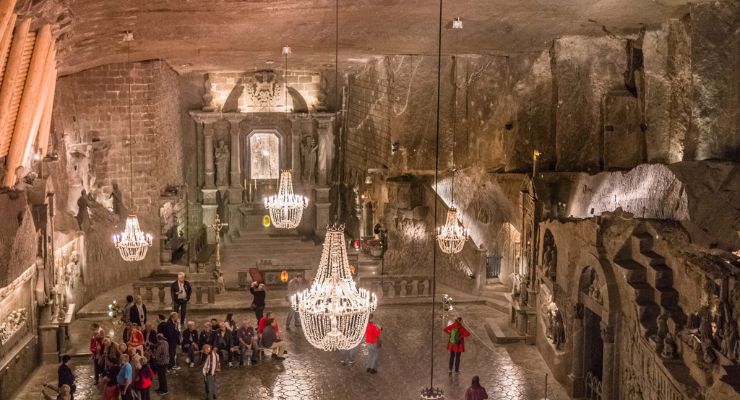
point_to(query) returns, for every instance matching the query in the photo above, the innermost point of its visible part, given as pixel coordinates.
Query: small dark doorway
(594, 354)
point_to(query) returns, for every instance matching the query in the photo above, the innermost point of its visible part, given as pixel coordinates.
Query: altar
(240, 158)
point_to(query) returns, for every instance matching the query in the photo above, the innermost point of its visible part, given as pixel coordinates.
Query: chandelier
(132, 243)
(286, 208)
(334, 312)
(452, 236)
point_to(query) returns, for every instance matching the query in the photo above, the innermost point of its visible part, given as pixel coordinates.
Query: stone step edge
(497, 335)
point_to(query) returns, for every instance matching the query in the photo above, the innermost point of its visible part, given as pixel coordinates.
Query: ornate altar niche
(240, 156)
(17, 329)
(69, 276)
(173, 224)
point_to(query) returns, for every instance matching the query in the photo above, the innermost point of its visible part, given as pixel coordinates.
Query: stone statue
(309, 149)
(83, 214)
(558, 329)
(515, 284)
(549, 257)
(669, 347)
(523, 294)
(662, 323)
(222, 164)
(117, 200)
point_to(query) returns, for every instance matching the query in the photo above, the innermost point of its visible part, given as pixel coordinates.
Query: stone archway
(594, 320)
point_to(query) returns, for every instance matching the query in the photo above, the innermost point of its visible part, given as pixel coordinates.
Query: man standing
(180, 291)
(456, 342)
(258, 303)
(295, 285)
(160, 360)
(211, 366)
(65, 375)
(126, 317)
(124, 378)
(170, 332)
(372, 339)
(137, 312)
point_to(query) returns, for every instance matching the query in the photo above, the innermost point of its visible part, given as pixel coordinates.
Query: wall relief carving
(263, 90)
(552, 318)
(309, 157)
(549, 256)
(12, 324)
(222, 157)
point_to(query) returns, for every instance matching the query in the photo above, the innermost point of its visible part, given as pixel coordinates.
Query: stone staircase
(247, 246)
(494, 293)
(651, 280)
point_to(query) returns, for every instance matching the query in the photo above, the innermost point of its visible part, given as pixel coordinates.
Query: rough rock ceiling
(222, 35)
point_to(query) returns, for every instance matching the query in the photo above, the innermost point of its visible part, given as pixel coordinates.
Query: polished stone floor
(514, 371)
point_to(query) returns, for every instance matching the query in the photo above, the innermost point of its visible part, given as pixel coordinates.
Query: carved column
(208, 156)
(235, 190)
(576, 375)
(608, 386)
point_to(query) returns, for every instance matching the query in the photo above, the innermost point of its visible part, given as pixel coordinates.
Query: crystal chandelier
(132, 243)
(452, 236)
(334, 312)
(286, 208)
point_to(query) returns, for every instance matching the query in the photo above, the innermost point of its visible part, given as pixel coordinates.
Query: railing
(593, 387)
(393, 286)
(207, 287)
(493, 266)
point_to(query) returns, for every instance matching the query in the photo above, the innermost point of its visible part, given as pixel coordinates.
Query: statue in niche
(515, 284)
(222, 163)
(706, 336)
(83, 213)
(523, 293)
(669, 347)
(549, 257)
(662, 324)
(309, 149)
(117, 199)
(264, 154)
(558, 329)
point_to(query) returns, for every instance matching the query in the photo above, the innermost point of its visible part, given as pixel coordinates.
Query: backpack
(454, 336)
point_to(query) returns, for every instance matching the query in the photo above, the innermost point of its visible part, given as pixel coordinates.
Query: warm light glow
(536, 154)
(284, 276)
(132, 243)
(286, 208)
(334, 312)
(452, 236)
(266, 221)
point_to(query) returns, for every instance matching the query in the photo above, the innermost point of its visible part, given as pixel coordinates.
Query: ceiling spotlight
(286, 50)
(270, 62)
(457, 23)
(128, 36)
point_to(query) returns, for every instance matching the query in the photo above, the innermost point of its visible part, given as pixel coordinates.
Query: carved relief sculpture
(309, 150)
(12, 324)
(558, 329)
(117, 199)
(549, 256)
(264, 153)
(222, 163)
(263, 90)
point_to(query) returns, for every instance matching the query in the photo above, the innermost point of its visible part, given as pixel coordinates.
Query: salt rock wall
(91, 122)
(715, 62)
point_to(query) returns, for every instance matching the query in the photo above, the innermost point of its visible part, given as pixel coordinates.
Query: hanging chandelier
(334, 312)
(132, 243)
(286, 208)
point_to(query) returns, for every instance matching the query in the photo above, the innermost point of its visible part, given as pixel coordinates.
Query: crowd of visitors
(126, 369)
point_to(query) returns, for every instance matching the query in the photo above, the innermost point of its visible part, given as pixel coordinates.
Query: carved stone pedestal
(524, 320)
(209, 215)
(322, 205)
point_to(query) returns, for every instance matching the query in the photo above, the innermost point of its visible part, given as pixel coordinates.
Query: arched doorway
(594, 362)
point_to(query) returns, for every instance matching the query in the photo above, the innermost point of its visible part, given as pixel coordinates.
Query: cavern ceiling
(221, 35)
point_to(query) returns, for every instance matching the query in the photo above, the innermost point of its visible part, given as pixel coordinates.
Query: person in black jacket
(65, 375)
(205, 334)
(180, 291)
(258, 303)
(137, 313)
(172, 334)
(190, 343)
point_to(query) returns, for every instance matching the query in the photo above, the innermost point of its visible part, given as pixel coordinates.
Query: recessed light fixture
(286, 50)
(457, 23)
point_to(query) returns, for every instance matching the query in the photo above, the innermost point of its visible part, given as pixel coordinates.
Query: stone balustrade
(207, 287)
(391, 286)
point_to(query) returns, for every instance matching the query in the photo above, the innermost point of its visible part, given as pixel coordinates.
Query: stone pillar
(325, 132)
(322, 210)
(209, 215)
(235, 190)
(295, 148)
(576, 374)
(208, 156)
(608, 384)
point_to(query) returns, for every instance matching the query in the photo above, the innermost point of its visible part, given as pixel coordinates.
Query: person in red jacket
(456, 342)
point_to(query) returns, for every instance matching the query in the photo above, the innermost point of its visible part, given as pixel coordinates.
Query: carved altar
(240, 156)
